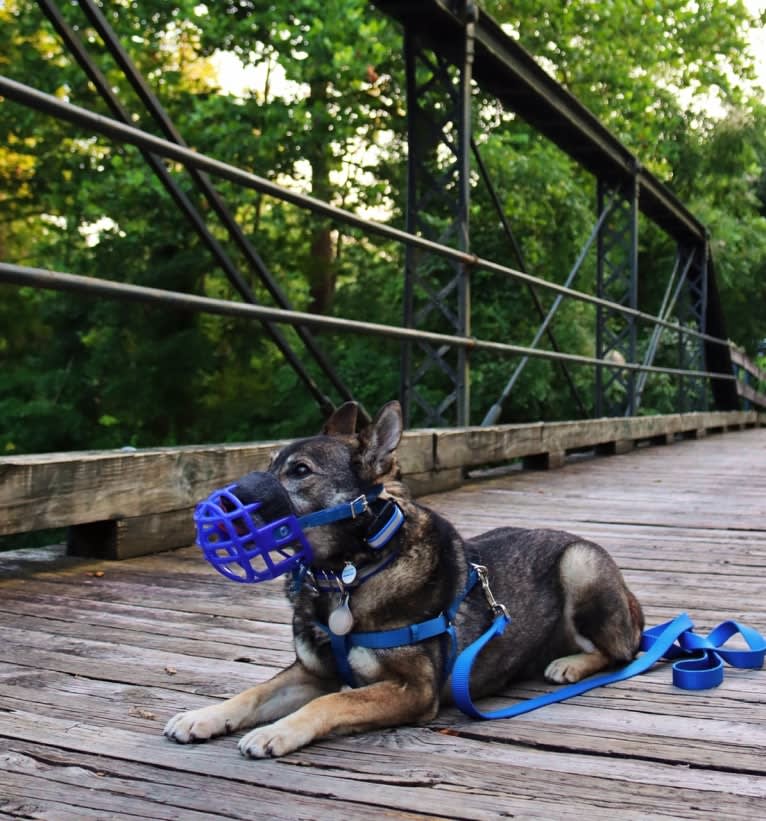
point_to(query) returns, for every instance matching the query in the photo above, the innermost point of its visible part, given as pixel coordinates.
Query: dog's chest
(312, 652)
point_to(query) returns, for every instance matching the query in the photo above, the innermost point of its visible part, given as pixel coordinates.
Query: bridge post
(435, 381)
(617, 280)
(692, 311)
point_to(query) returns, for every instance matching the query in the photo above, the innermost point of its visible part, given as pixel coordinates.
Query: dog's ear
(380, 439)
(342, 421)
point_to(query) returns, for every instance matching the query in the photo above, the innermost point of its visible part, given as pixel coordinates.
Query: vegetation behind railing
(751, 379)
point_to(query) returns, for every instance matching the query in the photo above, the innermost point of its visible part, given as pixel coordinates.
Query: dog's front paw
(198, 725)
(274, 740)
(569, 669)
(563, 670)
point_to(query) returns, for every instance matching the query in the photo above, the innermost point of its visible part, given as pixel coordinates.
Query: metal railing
(21, 275)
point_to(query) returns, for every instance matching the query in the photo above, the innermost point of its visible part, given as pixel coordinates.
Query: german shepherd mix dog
(571, 612)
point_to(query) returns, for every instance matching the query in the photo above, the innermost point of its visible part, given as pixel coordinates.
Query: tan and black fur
(572, 614)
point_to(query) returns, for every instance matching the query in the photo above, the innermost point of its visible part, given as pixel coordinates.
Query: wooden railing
(751, 380)
(118, 504)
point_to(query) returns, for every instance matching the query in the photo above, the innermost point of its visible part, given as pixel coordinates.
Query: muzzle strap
(348, 510)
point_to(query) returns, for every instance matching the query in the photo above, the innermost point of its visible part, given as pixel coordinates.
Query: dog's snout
(265, 489)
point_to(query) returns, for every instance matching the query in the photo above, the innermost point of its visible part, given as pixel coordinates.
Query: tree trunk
(320, 269)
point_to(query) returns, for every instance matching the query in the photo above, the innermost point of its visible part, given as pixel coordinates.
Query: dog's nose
(266, 489)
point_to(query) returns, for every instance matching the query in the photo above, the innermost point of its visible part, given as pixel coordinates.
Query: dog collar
(351, 577)
(382, 530)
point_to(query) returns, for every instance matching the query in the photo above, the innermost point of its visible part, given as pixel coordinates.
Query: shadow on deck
(95, 656)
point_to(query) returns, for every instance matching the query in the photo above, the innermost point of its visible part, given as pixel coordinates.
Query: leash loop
(700, 659)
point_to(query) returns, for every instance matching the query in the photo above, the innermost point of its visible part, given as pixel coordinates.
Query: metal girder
(157, 112)
(683, 263)
(493, 414)
(435, 381)
(692, 311)
(507, 70)
(617, 280)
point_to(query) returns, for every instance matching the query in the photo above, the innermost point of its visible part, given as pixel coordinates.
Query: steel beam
(435, 380)
(77, 49)
(504, 68)
(53, 106)
(692, 311)
(617, 280)
(60, 281)
(217, 204)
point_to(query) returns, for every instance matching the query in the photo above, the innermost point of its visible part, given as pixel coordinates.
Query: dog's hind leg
(286, 691)
(601, 616)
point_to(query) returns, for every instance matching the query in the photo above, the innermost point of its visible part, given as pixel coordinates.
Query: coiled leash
(698, 664)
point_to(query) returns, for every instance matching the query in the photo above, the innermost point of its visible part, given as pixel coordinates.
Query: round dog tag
(341, 619)
(348, 574)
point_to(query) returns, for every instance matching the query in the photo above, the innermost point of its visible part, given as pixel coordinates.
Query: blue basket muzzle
(242, 548)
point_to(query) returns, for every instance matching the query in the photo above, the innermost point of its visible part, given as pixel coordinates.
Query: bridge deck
(95, 656)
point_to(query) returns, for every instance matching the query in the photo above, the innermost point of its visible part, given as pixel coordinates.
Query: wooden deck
(95, 656)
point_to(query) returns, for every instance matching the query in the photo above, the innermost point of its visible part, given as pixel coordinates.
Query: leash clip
(495, 606)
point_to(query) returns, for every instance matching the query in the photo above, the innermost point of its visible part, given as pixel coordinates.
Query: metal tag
(348, 575)
(341, 619)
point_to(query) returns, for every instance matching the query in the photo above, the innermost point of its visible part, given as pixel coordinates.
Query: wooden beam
(118, 503)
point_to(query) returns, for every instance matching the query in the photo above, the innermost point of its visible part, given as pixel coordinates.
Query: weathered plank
(40, 491)
(124, 503)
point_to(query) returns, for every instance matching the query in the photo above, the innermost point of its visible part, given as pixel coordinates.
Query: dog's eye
(299, 470)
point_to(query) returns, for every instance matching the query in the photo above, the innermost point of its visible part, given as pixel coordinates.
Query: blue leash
(700, 663)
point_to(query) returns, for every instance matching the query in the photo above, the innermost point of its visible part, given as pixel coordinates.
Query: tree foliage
(323, 112)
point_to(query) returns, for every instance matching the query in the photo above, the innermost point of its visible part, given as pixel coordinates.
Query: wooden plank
(456, 785)
(54, 490)
(462, 447)
(42, 491)
(751, 394)
(68, 781)
(133, 536)
(741, 359)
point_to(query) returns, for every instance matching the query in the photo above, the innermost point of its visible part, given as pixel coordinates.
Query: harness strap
(400, 636)
(695, 673)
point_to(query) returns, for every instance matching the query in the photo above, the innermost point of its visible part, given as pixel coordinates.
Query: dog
(571, 611)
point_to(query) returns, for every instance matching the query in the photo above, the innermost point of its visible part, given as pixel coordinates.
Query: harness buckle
(359, 505)
(494, 605)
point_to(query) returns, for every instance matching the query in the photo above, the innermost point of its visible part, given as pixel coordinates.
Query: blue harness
(698, 661)
(441, 625)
